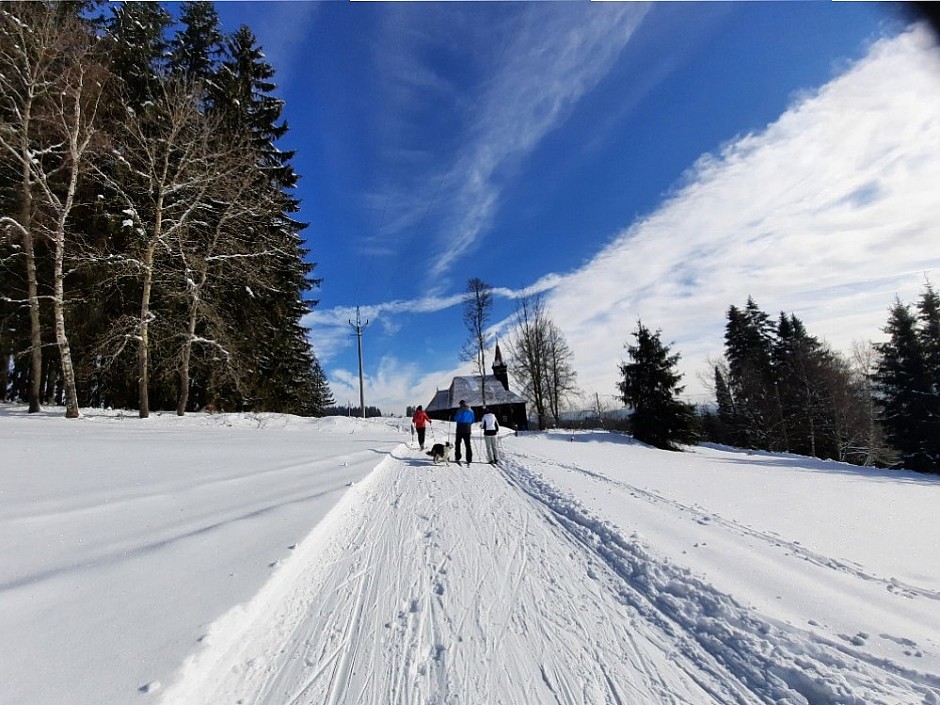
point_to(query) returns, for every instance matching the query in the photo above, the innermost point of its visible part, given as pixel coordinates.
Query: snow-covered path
(433, 584)
(442, 584)
(265, 559)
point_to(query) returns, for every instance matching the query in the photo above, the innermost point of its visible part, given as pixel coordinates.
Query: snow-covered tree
(52, 79)
(171, 167)
(136, 40)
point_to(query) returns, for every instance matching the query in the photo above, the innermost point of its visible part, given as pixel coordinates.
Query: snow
(260, 558)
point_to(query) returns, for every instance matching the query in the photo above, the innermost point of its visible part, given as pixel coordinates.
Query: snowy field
(257, 558)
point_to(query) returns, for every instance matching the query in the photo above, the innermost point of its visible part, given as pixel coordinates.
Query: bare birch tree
(560, 375)
(528, 352)
(222, 245)
(27, 76)
(478, 303)
(169, 169)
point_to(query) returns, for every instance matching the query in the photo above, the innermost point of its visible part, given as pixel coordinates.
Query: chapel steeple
(500, 371)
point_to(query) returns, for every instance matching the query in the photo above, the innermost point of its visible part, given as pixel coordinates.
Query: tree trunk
(143, 350)
(65, 353)
(35, 329)
(58, 299)
(182, 398)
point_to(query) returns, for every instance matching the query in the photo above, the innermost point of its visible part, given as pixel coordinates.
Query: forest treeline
(149, 254)
(780, 389)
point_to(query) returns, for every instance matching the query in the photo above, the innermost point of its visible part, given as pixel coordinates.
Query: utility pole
(359, 326)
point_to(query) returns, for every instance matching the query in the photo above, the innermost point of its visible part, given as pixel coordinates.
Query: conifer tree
(281, 360)
(137, 44)
(651, 386)
(197, 48)
(801, 374)
(748, 349)
(903, 384)
(727, 417)
(928, 313)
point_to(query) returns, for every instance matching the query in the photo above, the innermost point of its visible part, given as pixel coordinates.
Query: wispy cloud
(828, 213)
(541, 62)
(550, 62)
(331, 329)
(393, 387)
(283, 28)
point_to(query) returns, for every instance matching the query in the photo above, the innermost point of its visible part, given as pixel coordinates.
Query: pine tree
(928, 313)
(748, 350)
(276, 349)
(903, 385)
(802, 370)
(197, 49)
(650, 385)
(727, 417)
(136, 34)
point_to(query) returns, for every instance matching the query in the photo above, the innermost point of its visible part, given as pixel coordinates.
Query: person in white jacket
(490, 429)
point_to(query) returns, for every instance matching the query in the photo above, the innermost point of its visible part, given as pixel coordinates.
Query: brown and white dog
(439, 452)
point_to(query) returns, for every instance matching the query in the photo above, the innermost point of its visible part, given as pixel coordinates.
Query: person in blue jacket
(464, 418)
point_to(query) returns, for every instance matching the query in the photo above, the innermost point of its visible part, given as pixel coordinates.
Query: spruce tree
(137, 45)
(928, 314)
(748, 350)
(650, 385)
(282, 363)
(802, 370)
(727, 417)
(903, 384)
(197, 48)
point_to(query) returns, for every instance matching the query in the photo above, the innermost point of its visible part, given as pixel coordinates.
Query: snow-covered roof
(470, 389)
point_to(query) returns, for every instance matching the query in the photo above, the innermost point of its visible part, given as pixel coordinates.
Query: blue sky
(658, 162)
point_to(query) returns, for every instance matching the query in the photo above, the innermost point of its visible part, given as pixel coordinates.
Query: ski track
(708, 518)
(452, 584)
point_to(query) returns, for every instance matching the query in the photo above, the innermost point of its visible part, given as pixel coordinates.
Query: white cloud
(283, 28)
(331, 329)
(552, 60)
(828, 213)
(537, 64)
(394, 386)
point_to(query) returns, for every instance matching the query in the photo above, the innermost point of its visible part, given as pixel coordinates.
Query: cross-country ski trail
(433, 584)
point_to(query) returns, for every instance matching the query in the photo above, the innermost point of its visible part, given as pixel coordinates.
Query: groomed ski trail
(452, 584)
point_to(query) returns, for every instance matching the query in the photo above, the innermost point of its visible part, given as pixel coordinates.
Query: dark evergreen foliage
(783, 390)
(650, 385)
(724, 428)
(197, 48)
(354, 411)
(138, 49)
(230, 287)
(906, 384)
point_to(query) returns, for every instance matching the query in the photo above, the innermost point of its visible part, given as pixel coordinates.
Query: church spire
(500, 370)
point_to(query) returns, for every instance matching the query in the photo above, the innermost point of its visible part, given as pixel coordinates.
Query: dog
(439, 452)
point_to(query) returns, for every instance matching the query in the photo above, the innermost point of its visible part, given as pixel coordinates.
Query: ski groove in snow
(454, 584)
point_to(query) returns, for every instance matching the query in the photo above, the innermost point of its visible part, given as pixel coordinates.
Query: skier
(420, 421)
(464, 419)
(490, 429)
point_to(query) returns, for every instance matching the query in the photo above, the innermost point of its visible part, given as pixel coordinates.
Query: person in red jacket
(420, 421)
